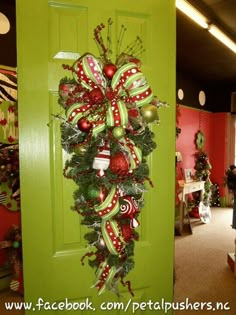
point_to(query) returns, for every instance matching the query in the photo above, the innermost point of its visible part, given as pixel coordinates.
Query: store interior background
(202, 64)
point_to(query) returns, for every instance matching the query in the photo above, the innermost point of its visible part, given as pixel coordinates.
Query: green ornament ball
(93, 192)
(16, 244)
(118, 132)
(149, 113)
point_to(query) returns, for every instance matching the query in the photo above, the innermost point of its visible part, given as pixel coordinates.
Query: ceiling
(199, 54)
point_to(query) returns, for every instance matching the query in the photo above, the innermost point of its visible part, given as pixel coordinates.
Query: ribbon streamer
(111, 235)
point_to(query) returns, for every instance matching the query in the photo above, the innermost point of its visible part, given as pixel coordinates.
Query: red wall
(7, 219)
(189, 122)
(220, 148)
(214, 127)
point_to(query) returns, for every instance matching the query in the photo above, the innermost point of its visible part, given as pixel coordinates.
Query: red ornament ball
(127, 232)
(84, 125)
(119, 163)
(109, 70)
(96, 96)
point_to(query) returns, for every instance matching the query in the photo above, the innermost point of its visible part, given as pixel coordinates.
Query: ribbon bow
(128, 86)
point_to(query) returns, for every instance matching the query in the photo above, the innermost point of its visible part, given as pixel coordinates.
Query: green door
(50, 33)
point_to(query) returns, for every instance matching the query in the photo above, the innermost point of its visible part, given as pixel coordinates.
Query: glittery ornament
(119, 163)
(127, 232)
(96, 96)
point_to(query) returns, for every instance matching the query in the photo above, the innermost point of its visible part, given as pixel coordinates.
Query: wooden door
(50, 33)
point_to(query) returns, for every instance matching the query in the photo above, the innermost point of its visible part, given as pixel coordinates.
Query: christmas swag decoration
(108, 107)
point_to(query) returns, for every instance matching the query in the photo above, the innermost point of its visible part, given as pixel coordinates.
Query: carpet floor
(10, 296)
(202, 273)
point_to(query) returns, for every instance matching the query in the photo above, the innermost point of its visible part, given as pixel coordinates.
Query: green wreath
(200, 140)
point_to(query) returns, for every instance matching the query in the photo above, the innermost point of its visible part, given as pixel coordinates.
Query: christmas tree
(108, 107)
(203, 167)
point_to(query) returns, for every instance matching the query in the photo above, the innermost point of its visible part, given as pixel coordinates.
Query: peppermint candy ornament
(128, 209)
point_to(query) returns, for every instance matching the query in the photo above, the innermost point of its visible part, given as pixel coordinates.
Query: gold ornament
(80, 149)
(149, 113)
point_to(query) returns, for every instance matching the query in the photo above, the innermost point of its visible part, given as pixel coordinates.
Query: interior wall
(190, 121)
(219, 149)
(214, 127)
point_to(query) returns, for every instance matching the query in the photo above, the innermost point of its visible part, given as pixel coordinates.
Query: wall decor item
(8, 84)
(9, 150)
(200, 140)
(177, 128)
(188, 175)
(108, 107)
(4, 24)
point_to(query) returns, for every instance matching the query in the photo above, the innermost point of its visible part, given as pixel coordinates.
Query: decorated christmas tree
(203, 167)
(108, 107)
(201, 204)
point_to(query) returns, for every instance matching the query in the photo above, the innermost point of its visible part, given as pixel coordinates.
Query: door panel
(52, 235)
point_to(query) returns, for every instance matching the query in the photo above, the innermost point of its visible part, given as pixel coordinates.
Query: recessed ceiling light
(4, 24)
(180, 94)
(202, 98)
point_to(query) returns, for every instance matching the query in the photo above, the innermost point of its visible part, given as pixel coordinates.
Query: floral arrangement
(108, 107)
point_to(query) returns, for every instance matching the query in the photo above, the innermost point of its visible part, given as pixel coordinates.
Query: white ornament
(101, 161)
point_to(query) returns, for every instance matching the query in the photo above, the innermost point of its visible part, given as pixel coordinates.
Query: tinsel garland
(108, 107)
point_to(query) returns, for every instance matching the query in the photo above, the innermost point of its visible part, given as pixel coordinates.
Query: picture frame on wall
(188, 175)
